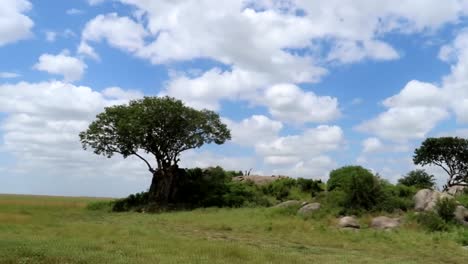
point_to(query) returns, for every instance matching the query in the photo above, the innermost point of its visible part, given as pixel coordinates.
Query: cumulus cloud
(14, 25)
(291, 104)
(71, 68)
(371, 145)
(9, 75)
(42, 125)
(411, 114)
(253, 130)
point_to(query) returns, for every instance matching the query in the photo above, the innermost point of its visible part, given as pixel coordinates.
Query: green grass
(61, 230)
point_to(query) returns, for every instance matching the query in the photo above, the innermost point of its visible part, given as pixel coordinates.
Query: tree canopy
(418, 178)
(162, 126)
(448, 153)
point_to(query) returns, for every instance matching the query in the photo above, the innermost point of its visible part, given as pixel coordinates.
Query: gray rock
(383, 222)
(349, 222)
(456, 190)
(290, 203)
(308, 209)
(461, 215)
(426, 199)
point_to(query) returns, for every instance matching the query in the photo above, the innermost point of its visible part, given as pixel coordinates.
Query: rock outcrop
(308, 209)
(290, 203)
(461, 215)
(384, 222)
(426, 199)
(348, 222)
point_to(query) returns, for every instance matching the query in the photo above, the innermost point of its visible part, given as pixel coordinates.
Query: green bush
(311, 186)
(395, 197)
(445, 208)
(341, 178)
(360, 187)
(100, 206)
(463, 198)
(419, 179)
(134, 202)
(463, 237)
(432, 222)
(280, 189)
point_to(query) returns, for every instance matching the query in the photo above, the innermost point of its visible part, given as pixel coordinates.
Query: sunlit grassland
(38, 229)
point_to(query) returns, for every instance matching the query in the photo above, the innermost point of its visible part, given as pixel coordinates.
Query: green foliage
(280, 189)
(134, 202)
(360, 187)
(462, 237)
(419, 179)
(445, 208)
(161, 126)
(311, 186)
(342, 177)
(463, 198)
(395, 197)
(100, 206)
(449, 153)
(432, 222)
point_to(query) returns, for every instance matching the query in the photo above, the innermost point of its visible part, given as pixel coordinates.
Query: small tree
(160, 126)
(419, 179)
(448, 153)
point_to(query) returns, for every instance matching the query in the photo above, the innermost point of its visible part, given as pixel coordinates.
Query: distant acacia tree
(418, 178)
(448, 153)
(160, 126)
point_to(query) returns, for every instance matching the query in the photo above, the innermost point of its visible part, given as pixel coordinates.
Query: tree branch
(147, 163)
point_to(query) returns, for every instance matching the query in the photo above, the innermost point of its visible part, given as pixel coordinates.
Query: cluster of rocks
(425, 200)
(347, 222)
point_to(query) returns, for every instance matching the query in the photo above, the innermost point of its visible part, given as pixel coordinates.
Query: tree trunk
(162, 189)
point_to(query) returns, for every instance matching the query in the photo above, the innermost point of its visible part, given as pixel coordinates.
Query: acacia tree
(162, 127)
(448, 153)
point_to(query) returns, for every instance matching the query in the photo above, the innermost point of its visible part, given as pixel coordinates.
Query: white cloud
(263, 43)
(119, 93)
(291, 104)
(51, 36)
(71, 68)
(404, 123)
(371, 145)
(74, 11)
(411, 114)
(9, 75)
(119, 32)
(252, 130)
(14, 24)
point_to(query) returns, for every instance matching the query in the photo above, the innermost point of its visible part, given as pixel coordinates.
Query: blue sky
(305, 86)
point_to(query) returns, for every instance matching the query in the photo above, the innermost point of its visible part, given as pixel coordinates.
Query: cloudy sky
(304, 85)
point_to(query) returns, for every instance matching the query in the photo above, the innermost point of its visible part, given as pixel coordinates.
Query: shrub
(463, 198)
(360, 187)
(419, 179)
(280, 189)
(432, 222)
(100, 206)
(311, 186)
(445, 207)
(399, 197)
(341, 178)
(133, 202)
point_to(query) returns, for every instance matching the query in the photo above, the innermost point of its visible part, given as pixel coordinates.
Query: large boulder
(461, 215)
(290, 203)
(308, 209)
(383, 222)
(456, 190)
(426, 199)
(348, 222)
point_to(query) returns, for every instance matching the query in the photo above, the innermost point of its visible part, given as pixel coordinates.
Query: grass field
(38, 229)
